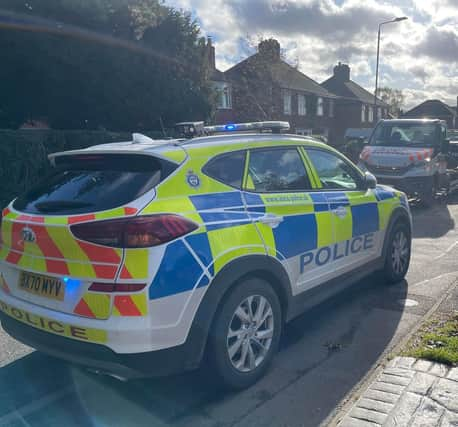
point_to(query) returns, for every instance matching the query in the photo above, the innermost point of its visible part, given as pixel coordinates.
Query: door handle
(341, 211)
(271, 220)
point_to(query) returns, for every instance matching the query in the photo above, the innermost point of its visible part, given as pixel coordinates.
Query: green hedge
(23, 154)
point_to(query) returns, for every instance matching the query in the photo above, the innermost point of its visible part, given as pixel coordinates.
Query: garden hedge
(23, 154)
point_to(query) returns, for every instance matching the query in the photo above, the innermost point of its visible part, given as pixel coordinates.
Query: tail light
(117, 287)
(138, 232)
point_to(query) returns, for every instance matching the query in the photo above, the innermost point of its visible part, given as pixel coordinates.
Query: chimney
(211, 54)
(342, 72)
(269, 49)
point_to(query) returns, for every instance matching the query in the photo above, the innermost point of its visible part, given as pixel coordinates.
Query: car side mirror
(445, 146)
(370, 181)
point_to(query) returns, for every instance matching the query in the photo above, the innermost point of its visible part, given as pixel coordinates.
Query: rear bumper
(101, 358)
(409, 185)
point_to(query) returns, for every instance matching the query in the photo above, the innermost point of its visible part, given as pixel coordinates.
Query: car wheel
(397, 258)
(245, 334)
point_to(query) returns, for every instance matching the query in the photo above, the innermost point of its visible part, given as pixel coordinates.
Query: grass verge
(436, 340)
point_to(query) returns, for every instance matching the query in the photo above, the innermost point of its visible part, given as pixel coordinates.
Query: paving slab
(453, 374)
(421, 383)
(446, 393)
(429, 414)
(408, 393)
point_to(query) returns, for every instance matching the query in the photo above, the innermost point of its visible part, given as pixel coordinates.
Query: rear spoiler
(140, 144)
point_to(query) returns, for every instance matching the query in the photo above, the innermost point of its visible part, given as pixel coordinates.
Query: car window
(334, 173)
(277, 170)
(227, 168)
(423, 134)
(91, 183)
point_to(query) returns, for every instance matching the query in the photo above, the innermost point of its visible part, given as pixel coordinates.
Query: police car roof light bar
(273, 126)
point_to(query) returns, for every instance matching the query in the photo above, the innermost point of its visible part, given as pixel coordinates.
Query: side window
(275, 170)
(227, 168)
(334, 173)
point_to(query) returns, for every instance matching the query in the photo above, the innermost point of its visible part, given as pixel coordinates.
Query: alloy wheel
(400, 252)
(250, 333)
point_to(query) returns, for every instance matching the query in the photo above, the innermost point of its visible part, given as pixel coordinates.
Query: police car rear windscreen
(93, 182)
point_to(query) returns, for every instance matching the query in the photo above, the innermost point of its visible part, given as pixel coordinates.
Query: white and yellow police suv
(139, 258)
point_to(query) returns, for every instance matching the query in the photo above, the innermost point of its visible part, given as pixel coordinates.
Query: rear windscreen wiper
(58, 205)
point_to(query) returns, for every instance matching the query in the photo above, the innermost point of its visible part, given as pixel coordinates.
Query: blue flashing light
(72, 286)
(230, 127)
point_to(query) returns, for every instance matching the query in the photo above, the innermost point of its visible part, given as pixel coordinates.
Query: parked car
(411, 155)
(137, 258)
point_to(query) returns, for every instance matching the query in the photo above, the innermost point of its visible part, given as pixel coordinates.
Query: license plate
(44, 286)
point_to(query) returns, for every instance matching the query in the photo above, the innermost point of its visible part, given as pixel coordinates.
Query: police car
(148, 257)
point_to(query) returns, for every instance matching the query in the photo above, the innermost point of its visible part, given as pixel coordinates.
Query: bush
(23, 154)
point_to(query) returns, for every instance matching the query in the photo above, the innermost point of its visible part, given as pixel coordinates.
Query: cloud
(419, 56)
(313, 17)
(439, 44)
(419, 72)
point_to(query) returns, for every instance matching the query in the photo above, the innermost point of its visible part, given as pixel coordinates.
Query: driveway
(324, 354)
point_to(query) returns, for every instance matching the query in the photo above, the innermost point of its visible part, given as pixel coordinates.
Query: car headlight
(424, 164)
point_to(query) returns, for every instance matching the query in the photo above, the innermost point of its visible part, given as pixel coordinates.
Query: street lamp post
(401, 18)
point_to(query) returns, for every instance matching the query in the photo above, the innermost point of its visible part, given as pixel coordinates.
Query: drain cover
(407, 302)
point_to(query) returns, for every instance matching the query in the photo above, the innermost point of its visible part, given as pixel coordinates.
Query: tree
(394, 98)
(113, 64)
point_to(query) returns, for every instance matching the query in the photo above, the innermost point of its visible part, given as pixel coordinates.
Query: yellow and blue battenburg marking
(230, 228)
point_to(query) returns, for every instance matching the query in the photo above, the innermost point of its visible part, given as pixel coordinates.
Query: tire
(397, 258)
(248, 361)
(428, 198)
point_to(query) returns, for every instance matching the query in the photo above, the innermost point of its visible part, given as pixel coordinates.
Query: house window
(301, 105)
(287, 102)
(363, 113)
(223, 95)
(319, 106)
(331, 108)
(379, 113)
(371, 114)
(227, 97)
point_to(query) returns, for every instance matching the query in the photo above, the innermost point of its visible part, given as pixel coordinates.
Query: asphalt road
(324, 354)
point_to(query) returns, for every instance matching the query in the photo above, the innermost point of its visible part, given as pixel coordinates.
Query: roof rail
(272, 126)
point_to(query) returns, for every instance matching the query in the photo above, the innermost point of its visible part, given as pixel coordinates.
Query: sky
(419, 55)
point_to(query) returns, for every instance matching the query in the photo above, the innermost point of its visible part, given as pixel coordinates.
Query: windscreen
(91, 183)
(405, 134)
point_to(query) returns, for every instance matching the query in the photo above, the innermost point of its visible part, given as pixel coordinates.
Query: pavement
(408, 392)
(325, 360)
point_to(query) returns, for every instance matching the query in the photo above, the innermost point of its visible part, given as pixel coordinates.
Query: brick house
(435, 109)
(264, 87)
(354, 106)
